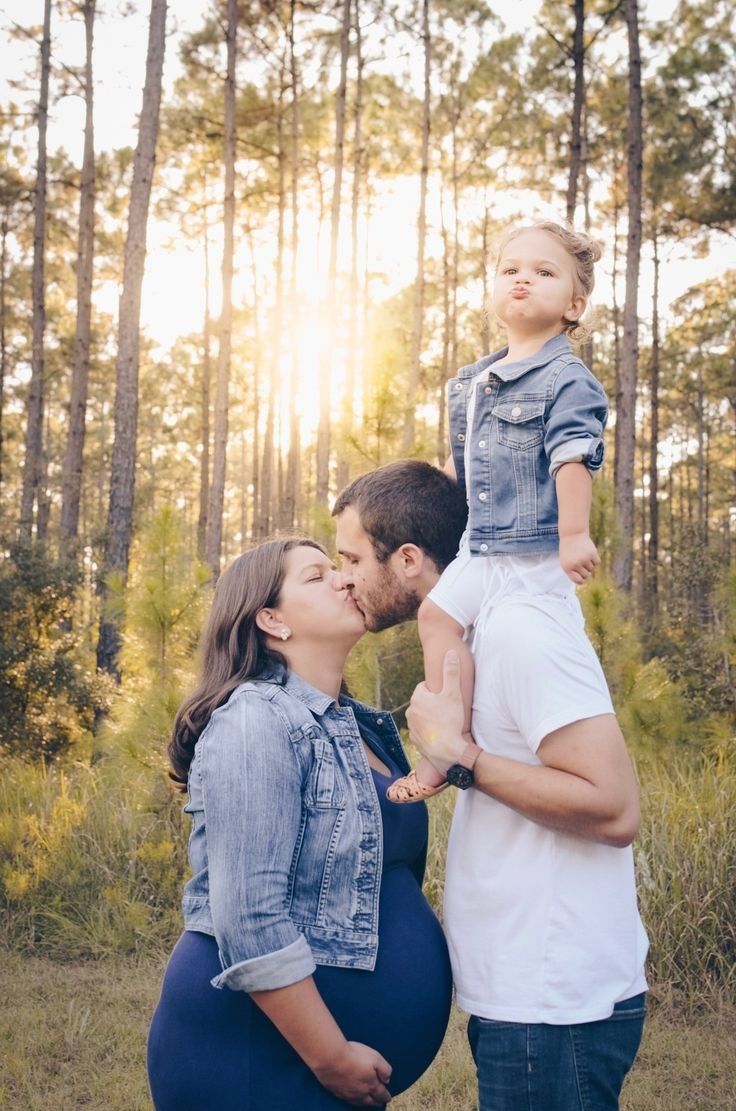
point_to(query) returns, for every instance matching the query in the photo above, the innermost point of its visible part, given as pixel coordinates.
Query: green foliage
(686, 867)
(649, 704)
(48, 688)
(384, 669)
(166, 598)
(92, 861)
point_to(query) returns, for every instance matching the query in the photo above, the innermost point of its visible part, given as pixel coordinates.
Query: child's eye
(546, 273)
(509, 270)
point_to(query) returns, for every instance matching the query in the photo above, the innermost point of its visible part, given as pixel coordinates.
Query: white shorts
(472, 583)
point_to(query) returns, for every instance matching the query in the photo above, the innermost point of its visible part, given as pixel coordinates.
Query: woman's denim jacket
(530, 417)
(287, 841)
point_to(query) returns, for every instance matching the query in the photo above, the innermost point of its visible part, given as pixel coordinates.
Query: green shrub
(686, 867)
(48, 686)
(91, 863)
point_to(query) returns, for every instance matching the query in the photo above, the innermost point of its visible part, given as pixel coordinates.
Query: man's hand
(358, 1076)
(578, 556)
(436, 720)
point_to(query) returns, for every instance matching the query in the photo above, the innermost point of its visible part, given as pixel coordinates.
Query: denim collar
(509, 372)
(316, 701)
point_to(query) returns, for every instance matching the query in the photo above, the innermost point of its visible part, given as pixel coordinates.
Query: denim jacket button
(458, 385)
(481, 443)
(482, 496)
(484, 547)
(516, 411)
(379, 721)
(487, 389)
(460, 437)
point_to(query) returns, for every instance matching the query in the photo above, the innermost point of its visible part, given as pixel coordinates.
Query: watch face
(460, 777)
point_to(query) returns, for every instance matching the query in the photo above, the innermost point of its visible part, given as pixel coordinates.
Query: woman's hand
(358, 1075)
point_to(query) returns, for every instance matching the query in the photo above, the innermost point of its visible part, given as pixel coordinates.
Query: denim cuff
(272, 970)
(584, 449)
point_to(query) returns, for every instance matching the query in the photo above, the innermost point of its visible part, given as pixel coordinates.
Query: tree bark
(653, 576)
(205, 391)
(219, 455)
(348, 409)
(407, 441)
(626, 413)
(576, 140)
(3, 337)
(269, 495)
(323, 432)
(292, 468)
(72, 473)
(122, 468)
(33, 463)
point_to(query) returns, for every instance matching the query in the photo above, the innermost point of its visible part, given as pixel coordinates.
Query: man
(545, 938)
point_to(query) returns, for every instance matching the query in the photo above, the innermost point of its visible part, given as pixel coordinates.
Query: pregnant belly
(402, 1007)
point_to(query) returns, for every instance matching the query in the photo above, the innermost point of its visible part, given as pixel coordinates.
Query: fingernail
(452, 657)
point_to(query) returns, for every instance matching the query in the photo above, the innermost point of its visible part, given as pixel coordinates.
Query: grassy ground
(74, 1035)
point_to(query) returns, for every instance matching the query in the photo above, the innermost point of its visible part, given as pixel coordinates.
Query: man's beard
(389, 603)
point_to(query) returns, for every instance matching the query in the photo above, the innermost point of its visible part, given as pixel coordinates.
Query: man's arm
(585, 785)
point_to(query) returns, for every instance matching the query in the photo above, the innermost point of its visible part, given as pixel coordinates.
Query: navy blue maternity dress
(213, 1050)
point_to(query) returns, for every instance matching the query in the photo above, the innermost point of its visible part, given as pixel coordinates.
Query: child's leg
(438, 633)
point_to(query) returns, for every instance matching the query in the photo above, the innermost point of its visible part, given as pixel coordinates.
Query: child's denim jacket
(287, 841)
(530, 417)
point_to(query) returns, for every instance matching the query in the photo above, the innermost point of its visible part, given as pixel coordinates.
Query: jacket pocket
(519, 423)
(324, 789)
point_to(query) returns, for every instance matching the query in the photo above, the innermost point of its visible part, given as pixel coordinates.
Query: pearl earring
(285, 633)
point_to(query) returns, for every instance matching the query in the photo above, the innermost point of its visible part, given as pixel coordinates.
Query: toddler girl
(526, 428)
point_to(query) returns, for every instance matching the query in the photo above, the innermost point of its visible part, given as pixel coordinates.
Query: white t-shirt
(542, 926)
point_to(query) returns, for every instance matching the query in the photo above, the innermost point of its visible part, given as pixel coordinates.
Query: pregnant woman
(300, 979)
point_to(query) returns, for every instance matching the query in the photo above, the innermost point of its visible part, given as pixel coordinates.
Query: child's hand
(578, 556)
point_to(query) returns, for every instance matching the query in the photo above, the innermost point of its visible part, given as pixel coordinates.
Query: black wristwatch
(461, 775)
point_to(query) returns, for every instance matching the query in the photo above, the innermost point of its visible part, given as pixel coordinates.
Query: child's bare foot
(421, 783)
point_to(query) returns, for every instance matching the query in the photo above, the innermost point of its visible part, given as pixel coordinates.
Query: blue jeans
(540, 1067)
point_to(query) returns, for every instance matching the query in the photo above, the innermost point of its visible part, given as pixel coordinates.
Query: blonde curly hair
(582, 249)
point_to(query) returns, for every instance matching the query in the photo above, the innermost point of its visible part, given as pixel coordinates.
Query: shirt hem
(535, 1016)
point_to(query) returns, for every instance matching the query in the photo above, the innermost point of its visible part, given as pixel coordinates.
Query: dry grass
(73, 1035)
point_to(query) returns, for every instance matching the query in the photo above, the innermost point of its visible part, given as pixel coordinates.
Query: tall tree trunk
(256, 457)
(269, 491)
(442, 446)
(323, 433)
(33, 463)
(653, 576)
(348, 409)
(72, 473)
(407, 442)
(578, 59)
(122, 467)
(205, 390)
(626, 411)
(219, 455)
(700, 432)
(616, 320)
(292, 469)
(4, 231)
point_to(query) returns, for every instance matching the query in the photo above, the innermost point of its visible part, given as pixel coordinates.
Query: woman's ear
(268, 622)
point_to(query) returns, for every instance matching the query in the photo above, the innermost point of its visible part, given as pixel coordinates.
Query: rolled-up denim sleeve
(252, 797)
(576, 419)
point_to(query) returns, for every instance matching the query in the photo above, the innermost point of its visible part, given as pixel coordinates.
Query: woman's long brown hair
(233, 648)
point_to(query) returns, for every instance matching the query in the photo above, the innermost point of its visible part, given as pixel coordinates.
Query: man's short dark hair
(408, 502)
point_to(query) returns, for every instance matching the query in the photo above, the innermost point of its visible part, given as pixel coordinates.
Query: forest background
(243, 246)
